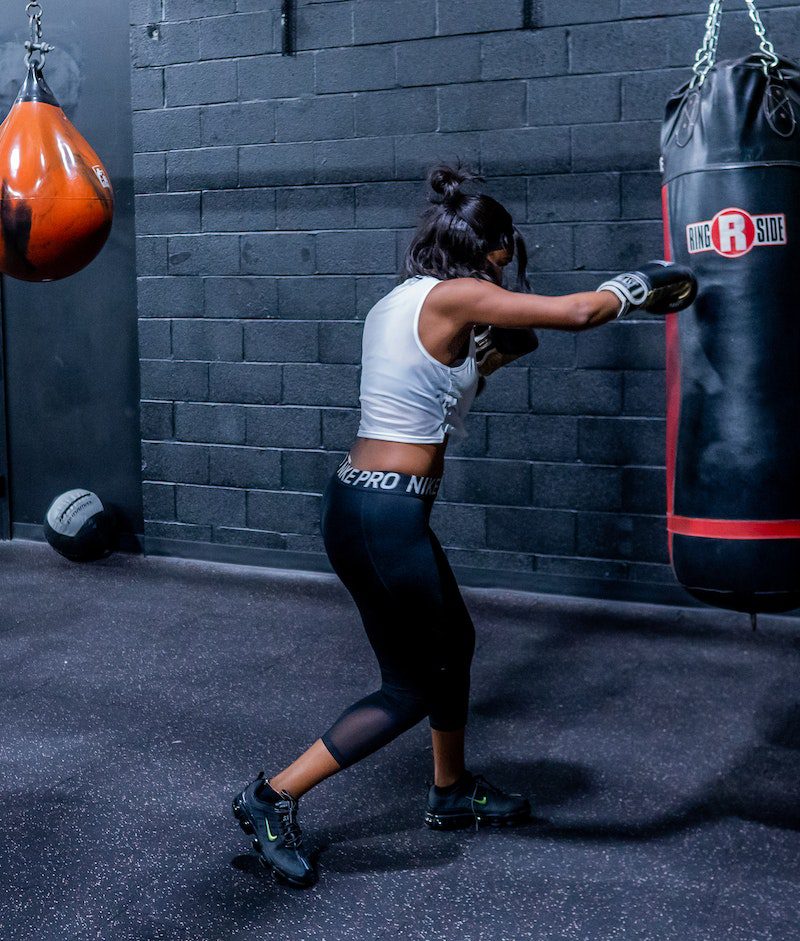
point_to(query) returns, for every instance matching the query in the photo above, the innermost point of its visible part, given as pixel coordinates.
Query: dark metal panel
(71, 346)
(5, 518)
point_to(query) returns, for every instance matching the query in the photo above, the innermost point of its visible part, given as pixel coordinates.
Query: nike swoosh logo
(482, 800)
(270, 837)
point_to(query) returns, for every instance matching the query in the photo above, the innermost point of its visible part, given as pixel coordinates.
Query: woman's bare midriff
(424, 460)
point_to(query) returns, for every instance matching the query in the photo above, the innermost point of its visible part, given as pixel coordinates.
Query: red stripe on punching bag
(673, 378)
(733, 529)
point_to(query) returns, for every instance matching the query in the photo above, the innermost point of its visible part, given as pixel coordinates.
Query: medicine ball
(79, 527)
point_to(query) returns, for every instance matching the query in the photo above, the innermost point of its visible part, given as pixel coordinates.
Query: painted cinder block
(275, 199)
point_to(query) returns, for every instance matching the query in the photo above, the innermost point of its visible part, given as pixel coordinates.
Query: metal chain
(35, 46)
(706, 56)
(771, 61)
(707, 53)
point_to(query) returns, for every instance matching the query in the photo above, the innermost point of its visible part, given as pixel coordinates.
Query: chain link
(706, 56)
(36, 48)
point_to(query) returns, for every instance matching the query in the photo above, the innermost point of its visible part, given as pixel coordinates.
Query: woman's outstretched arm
(470, 301)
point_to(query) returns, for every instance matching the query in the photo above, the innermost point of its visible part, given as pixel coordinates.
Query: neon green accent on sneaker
(269, 832)
(482, 800)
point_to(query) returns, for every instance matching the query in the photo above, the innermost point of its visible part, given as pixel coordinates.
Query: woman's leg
(459, 798)
(448, 757)
(386, 555)
(368, 542)
(430, 666)
(413, 615)
(314, 765)
(450, 701)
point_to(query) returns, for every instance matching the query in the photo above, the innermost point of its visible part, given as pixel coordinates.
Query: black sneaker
(473, 800)
(271, 819)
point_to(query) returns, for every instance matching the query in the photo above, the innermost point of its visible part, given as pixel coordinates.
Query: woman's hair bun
(445, 181)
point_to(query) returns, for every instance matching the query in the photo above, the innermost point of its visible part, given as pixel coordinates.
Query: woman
(419, 378)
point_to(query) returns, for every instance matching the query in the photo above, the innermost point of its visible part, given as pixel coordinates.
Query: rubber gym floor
(660, 746)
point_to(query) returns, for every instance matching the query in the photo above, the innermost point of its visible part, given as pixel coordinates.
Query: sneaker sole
(244, 821)
(460, 821)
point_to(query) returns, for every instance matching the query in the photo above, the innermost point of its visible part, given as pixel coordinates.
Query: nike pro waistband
(388, 481)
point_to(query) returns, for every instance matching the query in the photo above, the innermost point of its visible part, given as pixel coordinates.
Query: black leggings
(381, 546)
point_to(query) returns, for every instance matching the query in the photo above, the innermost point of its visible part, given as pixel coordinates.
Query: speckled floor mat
(660, 746)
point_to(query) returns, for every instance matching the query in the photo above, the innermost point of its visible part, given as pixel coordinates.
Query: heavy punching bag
(56, 200)
(731, 196)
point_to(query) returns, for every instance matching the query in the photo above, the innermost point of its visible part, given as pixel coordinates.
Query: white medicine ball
(79, 527)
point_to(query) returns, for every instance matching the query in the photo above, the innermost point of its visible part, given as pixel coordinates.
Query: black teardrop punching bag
(731, 197)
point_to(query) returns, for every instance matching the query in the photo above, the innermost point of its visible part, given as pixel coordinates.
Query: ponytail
(523, 285)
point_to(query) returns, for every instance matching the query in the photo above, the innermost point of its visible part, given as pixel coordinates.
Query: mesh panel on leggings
(371, 723)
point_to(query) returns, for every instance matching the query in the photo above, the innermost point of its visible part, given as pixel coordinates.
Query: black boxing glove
(499, 346)
(659, 287)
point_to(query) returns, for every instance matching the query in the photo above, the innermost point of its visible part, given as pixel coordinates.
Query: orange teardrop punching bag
(56, 200)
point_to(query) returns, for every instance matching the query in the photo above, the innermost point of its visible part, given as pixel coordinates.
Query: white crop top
(407, 394)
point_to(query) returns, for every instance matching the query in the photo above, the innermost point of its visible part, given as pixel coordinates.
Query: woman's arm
(466, 301)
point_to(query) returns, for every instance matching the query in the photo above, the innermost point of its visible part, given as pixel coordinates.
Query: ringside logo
(734, 232)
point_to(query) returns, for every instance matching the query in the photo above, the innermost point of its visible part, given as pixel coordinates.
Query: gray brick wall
(275, 197)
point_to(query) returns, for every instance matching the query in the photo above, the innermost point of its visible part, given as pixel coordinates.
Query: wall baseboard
(611, 590)
(672, 595)
(33, 532)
